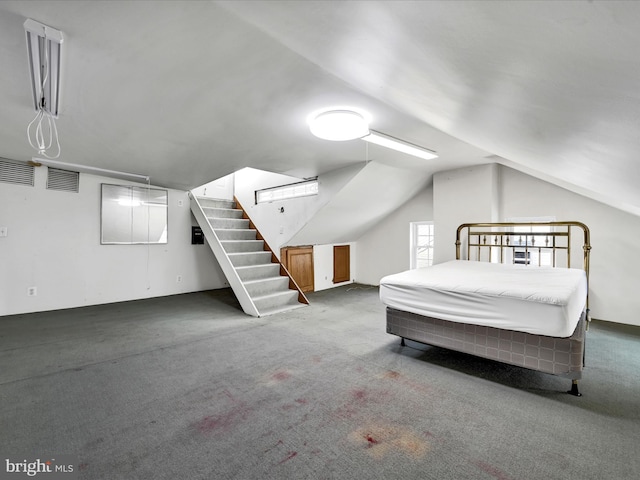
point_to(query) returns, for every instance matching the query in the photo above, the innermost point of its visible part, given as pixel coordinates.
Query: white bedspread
(539, 300)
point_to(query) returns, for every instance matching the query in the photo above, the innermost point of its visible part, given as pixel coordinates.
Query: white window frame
(284, 192)
(416, 248)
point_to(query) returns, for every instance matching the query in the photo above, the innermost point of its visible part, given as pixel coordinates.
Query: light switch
(4, 231)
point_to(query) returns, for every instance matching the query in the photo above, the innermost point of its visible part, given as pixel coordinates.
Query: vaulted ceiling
(189, 91)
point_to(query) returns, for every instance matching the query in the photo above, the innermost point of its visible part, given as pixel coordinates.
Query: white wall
(615, 259)
(220, 189)
(278, 226)
(323, 266)
(53, 244)
(469, 195)
(373, 194)
(461, 196)
(385, 249)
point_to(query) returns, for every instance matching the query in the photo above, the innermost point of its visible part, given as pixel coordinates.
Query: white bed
(522, 314)
(543, 301)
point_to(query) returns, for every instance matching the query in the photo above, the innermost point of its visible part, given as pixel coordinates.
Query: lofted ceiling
(190, 91)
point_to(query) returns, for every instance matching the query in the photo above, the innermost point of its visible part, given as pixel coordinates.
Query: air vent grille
(64, 180)
(16, 172)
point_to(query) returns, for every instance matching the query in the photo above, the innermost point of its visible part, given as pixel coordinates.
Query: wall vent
(64, 180)
(16, 172)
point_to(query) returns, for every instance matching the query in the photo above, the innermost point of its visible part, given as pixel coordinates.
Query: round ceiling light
(339, 124)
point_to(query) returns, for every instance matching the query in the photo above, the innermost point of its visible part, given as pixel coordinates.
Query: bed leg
(574, 389)
(402, 342)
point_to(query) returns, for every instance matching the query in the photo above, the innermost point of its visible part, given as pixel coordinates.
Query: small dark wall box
(197, 237)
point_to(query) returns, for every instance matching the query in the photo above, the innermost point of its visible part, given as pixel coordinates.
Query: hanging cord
(42, 131)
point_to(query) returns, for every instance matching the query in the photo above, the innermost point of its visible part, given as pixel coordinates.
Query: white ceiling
(187, 92)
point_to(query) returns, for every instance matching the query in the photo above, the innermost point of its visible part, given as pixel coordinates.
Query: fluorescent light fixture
(399, 145)
(339, 123)
(44, 47)
(87, 169)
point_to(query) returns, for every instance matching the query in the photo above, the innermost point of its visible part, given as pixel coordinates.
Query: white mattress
(538, 300)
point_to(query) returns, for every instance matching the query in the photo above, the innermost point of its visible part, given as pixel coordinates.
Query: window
(283, 192)
(526, 251)
(421, 244)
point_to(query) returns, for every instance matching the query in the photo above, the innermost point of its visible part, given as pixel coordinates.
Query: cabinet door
(341, 264)
(299, 262)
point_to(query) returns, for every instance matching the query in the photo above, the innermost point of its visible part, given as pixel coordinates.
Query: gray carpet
(187, 387)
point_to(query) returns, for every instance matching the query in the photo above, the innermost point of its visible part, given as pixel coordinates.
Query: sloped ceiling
(375, 192)
(187, 92)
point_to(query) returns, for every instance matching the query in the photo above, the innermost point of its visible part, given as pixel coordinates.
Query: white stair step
(236, 234)
(282, 309)
(237, 246)
(264, 286)
(233, 223)
(216, 203)
(275, 300)
(256, 272)
(215, 212)
(244, 259)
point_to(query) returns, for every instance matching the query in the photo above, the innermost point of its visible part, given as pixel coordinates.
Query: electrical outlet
(4, 231)
(32, 291)
(178, 278)
(180, 203)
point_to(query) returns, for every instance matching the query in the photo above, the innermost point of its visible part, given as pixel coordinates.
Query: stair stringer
(227, 267)
(293, 285)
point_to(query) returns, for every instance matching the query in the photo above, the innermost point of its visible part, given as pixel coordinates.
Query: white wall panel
(384, 249)
(53, 243)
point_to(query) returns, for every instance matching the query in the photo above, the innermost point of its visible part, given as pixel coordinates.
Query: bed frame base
(562, 357)
(574, 383)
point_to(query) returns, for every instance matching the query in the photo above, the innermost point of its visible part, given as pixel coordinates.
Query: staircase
(261, 284)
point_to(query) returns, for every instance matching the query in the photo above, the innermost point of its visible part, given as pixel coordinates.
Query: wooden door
(299, 262)
(341, 264)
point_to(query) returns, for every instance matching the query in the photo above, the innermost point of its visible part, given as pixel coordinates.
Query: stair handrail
(302, 298)
(229, 270)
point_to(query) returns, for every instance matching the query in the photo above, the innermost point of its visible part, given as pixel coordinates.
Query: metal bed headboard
(507, 238)
(522, 242)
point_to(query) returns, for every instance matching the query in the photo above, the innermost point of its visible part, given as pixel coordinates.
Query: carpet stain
(359, 394)
(274, 378)
(219, 422)
(380, 441)
(224, 421)
(280, 442)
(491, 470)
(281, 375)
(298, 402)
(407, 382)
(288, 457)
